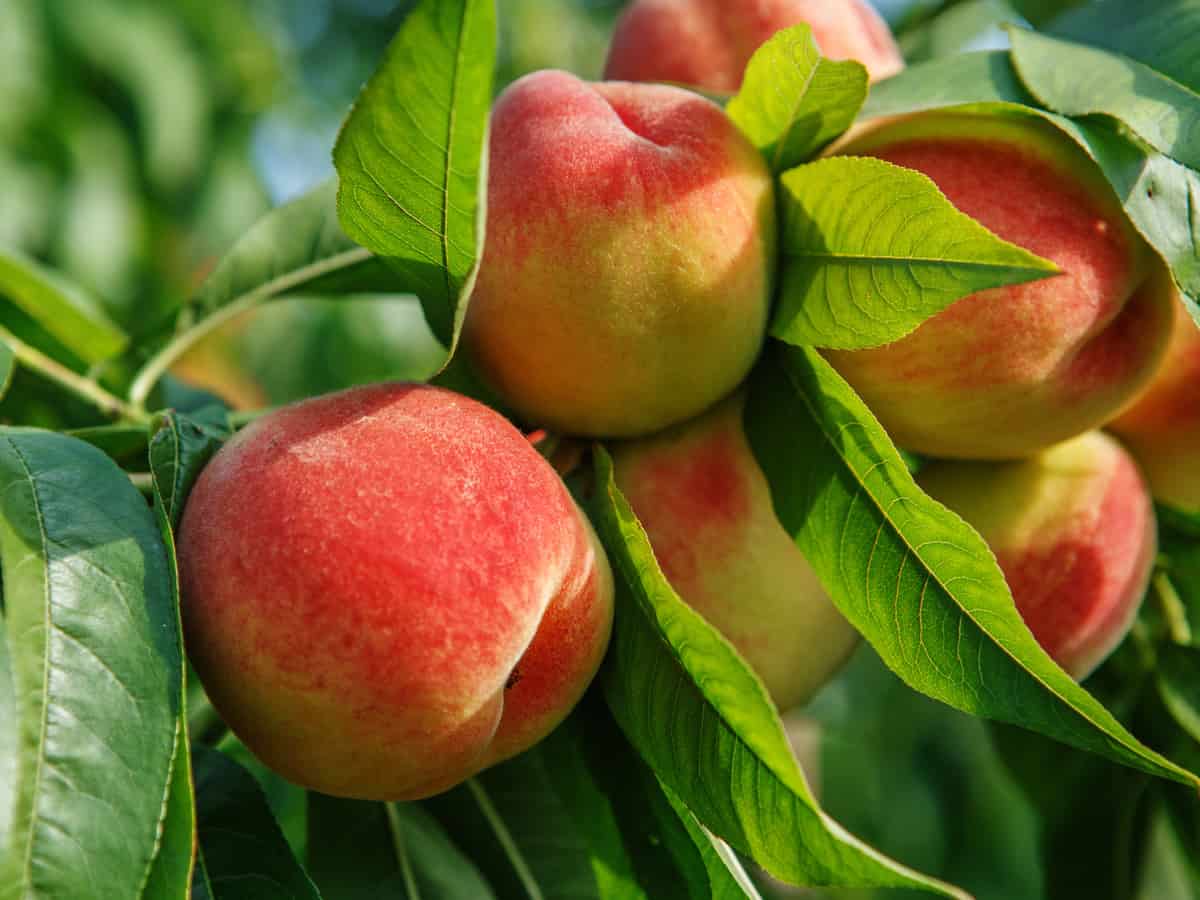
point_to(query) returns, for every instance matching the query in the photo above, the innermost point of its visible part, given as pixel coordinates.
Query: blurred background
(140, 138)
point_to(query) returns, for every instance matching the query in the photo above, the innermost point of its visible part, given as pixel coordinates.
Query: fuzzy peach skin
(1073, 529)
(628, 263)
(707, 43)
(1006, 372)
(387, 589)
(1162, 427)
(707, 509)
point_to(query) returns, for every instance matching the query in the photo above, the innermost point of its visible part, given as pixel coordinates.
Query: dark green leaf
(95, 661)
(958, 27)
(243, 854)
(410, 157)
(704, 723)
(911, 576)
(871, 250)
(172, 873)
(959, 80)
(180, 448)
(120, 442)
(793, 101)
(1075, 80)
(1163, 34)
(8, 364)
(61, 308)
(364, 851)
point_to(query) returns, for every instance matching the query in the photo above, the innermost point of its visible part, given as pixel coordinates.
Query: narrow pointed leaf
(1075, 80)
(171, 873)
(793, 101)
(410, 157)
(358, 850)
(69, 315)
(871, 250)
(919, 584)
(1160, 196)
(704, 723)
(581, 816)
(1178, 679)
(243, 854)
(95, 664)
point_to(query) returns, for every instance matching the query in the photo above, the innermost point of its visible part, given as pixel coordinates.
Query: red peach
(387, 589)
(1162, 427)
(1006, 372)
(707, 509)
(707, 43)
(1074, 532)
(626, 274)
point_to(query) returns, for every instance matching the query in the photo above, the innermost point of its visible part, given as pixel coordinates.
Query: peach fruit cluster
(388, 589)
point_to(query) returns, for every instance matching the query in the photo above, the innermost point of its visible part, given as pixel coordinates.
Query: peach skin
(1162, 426)
(706, 44)
(387, 589)
(707, 509)
(628, 263)
(1074, 532)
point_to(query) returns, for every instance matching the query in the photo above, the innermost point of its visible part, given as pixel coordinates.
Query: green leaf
(172, 871)
(363, 851)
(1160, 196)
(793, 101)
(120, 442)
(297, 248)
(871, 250)
(1178, 680)
(95, 662)
(1075, 80)
(581, 816)
(911, 576)
(180, 448)
(1163, 34)
(704, 723)
(63, 309)
(959, 26)
(8, 364)
(243, 854)
(411, 156)
(1169, 870)
(951, 81)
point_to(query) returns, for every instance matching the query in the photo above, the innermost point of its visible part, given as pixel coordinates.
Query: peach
(1162, 426)
(707, 43)
(627, 270)
(387, 589)
(707, 509)
(1074, 532)
(1006, 372)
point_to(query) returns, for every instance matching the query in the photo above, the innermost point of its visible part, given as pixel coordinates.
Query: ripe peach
(387, 589)
(627, 269)
(1006, 372)
(706, 507)
(1074, 532)
(1162, 427)
(707, 43)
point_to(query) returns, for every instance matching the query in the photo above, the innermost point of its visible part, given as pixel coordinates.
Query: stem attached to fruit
(158, 365)
(79, 385)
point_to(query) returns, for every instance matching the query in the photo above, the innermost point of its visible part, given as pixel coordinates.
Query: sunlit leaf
(411, 155)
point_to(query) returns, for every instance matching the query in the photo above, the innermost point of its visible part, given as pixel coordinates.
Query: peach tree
(729, 319)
